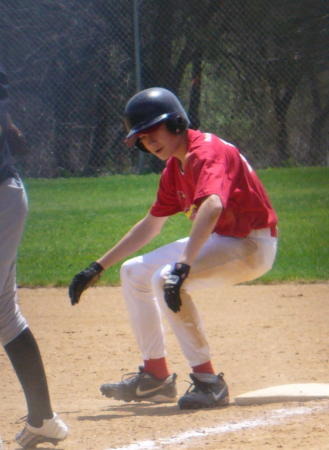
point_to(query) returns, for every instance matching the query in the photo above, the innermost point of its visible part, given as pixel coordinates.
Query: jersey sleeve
(166, 203)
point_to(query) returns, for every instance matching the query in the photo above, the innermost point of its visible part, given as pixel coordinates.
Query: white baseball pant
(222, 260)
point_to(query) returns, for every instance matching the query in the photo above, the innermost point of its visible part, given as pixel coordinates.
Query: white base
(285, 393)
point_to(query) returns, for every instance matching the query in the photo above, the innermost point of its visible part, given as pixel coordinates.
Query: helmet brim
(143, 127)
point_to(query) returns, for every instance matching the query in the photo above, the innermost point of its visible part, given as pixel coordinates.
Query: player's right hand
(83, 280)
(173, 284)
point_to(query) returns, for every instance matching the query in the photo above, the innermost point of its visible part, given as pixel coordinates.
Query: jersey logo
(191, 212)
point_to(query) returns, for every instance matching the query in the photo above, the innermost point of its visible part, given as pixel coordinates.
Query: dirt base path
(260, 336)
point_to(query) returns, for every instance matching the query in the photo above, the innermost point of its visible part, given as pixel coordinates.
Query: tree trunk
(193, 111)
(97, 157)
(317, 151)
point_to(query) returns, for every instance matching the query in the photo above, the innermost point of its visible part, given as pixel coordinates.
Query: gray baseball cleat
(206, 391)
(142, 386)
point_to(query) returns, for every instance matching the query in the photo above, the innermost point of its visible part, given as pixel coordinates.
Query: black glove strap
(182, 270)
(96, 267)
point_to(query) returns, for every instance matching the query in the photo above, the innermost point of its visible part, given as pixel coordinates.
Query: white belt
(263, 232)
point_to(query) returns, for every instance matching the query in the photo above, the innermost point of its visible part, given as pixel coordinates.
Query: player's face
(161, 142)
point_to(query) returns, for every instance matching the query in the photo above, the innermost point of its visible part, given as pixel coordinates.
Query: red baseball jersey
(214, 166)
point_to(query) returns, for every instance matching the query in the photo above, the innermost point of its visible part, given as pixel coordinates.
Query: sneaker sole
(157, 398)
(35, 440)
(195, 405)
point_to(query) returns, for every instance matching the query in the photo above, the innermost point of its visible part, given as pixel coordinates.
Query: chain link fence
(255, 72)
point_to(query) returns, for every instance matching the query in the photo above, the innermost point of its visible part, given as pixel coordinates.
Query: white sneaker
(1, 444)
(53, 430)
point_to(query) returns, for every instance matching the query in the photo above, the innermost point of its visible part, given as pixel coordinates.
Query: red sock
(204, 368)
(157, 367)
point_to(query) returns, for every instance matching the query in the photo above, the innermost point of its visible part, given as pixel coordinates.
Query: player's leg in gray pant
(15, 336)
(13, 209)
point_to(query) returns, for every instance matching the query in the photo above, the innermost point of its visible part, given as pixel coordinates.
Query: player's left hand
(83, 280)
(173, 284)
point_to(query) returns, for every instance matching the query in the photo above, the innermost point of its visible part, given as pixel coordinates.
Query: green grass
(71, 222)
(301, 198)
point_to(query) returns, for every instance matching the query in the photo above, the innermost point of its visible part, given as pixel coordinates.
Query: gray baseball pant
(13, 210)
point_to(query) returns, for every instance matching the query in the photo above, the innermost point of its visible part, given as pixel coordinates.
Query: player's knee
(12, 323)
(132, 270)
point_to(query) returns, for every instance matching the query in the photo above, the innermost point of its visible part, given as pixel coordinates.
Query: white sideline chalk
(194, 436)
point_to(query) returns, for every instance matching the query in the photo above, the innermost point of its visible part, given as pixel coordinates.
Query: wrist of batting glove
(83, 280)
(173, 284)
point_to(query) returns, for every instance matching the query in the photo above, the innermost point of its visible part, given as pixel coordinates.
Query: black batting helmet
(151, 107)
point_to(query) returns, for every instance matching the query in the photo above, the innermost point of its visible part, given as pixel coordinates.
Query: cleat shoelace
(130, 377)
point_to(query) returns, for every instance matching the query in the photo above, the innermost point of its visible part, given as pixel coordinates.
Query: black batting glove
(83, 280)
(173, 284)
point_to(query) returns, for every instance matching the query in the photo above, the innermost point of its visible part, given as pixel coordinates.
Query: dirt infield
(260, 336)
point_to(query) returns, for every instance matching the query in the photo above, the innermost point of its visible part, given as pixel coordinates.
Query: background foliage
(256, 72)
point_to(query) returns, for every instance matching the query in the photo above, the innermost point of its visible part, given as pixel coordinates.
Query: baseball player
(42, 425)
(233, 239)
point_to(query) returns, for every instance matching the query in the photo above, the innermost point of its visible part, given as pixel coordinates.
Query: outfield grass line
(270, 418)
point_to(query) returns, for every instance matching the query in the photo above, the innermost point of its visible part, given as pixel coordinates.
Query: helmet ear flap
(140, 146)
(176, 124)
